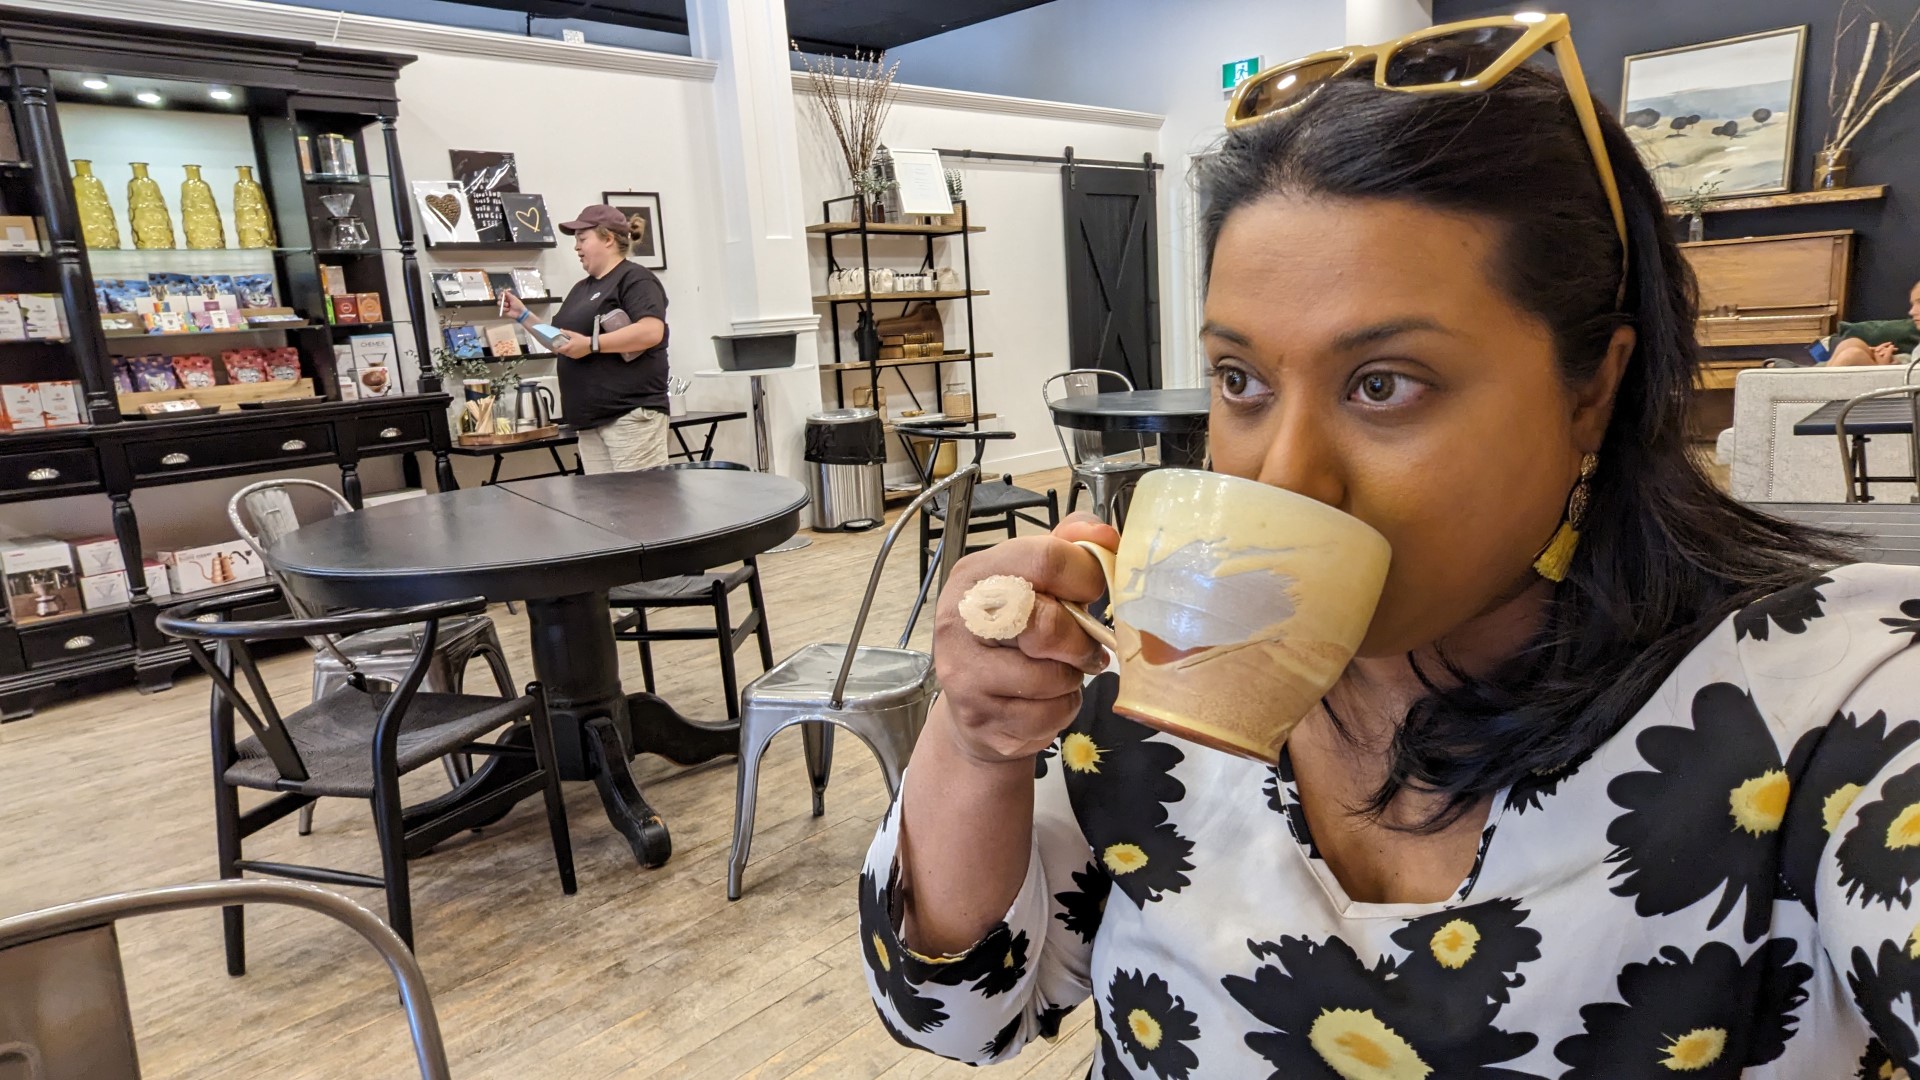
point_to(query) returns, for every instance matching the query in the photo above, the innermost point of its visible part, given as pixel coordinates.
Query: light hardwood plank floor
(643, 973)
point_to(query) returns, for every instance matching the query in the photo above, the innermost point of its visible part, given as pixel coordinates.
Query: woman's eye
(1386, 388)
(1237, 383)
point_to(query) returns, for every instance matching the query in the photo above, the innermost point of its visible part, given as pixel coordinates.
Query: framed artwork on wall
(1717, 113)
(643, 217)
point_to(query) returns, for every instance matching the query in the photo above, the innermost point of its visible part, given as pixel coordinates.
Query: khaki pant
(637, 440)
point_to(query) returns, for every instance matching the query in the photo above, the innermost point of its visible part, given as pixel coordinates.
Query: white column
(758, 147)
(1370, 21)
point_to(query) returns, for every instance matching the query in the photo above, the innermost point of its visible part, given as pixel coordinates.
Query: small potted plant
(1694, 205)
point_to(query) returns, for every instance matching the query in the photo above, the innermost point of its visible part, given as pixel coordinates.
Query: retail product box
(60, 403)
(155, 572)
(346, 308)
(13, 326)
(39, 578)
(371, 309)
(20, 407)
(18, 233)
(104, 590)
(212, 565)
(333, 279)
(45, 321)
(98, 555)
(374, 363)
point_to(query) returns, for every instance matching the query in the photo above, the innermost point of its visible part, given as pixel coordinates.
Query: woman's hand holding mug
(1007, 700)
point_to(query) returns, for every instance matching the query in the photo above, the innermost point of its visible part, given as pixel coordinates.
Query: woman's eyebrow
(1347, 342)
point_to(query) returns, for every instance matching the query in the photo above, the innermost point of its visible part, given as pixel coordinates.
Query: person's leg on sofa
(1852, 352)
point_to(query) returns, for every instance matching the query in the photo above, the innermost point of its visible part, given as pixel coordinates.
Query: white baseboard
(1019, 464)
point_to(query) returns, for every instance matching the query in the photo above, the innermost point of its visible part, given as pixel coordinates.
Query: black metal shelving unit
(867, 231)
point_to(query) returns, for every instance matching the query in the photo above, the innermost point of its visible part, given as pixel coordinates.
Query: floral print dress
(1723, 888)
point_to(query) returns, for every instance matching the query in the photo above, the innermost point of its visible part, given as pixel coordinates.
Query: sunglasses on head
(1462, 57)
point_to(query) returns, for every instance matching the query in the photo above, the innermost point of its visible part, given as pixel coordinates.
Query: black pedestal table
(559, 543)
(1179, 417)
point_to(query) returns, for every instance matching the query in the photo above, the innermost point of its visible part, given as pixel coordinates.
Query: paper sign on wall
(923, 182)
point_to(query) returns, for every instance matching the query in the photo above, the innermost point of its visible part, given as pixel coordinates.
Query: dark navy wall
(1887, 259)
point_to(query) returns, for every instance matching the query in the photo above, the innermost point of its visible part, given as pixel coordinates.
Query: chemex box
(212, 565)
(40, 578)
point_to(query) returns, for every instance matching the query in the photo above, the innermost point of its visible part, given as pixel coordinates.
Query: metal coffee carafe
(533, 404)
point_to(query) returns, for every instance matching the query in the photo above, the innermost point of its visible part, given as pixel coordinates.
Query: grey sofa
(1769, 463)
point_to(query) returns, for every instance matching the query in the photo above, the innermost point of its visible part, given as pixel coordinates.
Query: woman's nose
(1302, 458)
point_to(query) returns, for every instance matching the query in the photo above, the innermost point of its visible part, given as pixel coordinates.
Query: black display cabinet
(284, 89)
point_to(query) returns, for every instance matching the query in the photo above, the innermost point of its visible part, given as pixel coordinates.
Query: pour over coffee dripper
(348, 230)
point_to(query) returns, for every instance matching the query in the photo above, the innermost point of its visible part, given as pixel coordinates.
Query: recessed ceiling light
(94, 84)
(147, 97)
(1531, 16)
(220, 95)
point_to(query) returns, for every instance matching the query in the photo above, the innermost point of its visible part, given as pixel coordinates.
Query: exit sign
(1235, 72)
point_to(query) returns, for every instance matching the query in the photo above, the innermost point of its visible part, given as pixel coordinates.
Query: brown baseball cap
(599, 216)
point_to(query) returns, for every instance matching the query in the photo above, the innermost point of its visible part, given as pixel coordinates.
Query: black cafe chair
(706, 590)
(354, 742)
(997, 504)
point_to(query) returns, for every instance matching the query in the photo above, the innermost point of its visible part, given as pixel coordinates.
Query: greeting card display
(445, 212)
(527, 219)
(486, 175)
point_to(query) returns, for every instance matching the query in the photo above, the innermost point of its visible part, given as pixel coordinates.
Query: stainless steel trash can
(846, 455)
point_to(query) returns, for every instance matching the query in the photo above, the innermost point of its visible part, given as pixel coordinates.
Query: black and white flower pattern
(1758, 816)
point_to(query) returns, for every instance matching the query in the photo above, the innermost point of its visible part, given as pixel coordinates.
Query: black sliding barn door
(1113, 271)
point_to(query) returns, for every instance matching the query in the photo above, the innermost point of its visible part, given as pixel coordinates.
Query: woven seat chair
(355, 741)
(263, 513)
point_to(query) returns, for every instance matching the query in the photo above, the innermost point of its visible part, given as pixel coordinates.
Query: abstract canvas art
(1719, 113)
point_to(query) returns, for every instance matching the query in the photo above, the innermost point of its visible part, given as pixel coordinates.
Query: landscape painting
(1719, 114)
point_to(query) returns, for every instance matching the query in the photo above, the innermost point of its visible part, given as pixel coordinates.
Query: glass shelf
(342, 178)
(209, 260)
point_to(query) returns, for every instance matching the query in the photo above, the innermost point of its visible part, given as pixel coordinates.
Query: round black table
(558, 544)
(1179, 417)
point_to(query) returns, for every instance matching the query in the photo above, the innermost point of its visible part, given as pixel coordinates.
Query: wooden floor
(642, 974)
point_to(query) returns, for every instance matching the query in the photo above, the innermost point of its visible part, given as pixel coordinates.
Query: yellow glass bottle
(147, 210)
(98, 230)
(198, 214)
(252, 223)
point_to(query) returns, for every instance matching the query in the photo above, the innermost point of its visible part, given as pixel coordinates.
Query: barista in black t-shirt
(619, 406)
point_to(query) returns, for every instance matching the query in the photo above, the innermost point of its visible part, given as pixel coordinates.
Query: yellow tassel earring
(1554, 559)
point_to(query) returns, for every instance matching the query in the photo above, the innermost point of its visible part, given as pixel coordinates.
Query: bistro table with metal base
(1179, 417)
(1854, 421)
(559, 543)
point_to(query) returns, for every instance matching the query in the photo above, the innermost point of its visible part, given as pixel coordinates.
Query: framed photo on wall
(1721, 112)
(643, 217)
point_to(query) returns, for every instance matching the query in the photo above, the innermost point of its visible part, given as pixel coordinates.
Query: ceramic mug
(1236, 606)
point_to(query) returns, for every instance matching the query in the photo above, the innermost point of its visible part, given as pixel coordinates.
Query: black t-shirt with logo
(601, 387)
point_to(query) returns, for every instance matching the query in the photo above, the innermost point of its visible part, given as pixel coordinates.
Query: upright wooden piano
(1759, 297)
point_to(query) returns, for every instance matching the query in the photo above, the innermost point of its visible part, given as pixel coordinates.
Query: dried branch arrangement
(1889, 63)
(855, 95)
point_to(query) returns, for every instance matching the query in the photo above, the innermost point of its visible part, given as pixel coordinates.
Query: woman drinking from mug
(613, 359)
(1625, 779)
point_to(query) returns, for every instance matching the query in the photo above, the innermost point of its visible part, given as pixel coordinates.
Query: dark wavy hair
(1665, 555)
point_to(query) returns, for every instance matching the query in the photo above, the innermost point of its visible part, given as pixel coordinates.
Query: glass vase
(1830, 168)
(147, 210)
(199, 216)
(98, 229)
(252, 223)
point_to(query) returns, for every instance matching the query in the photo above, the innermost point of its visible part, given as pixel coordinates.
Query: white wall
(583, 120)
(1020, 258)
(1148, 55)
